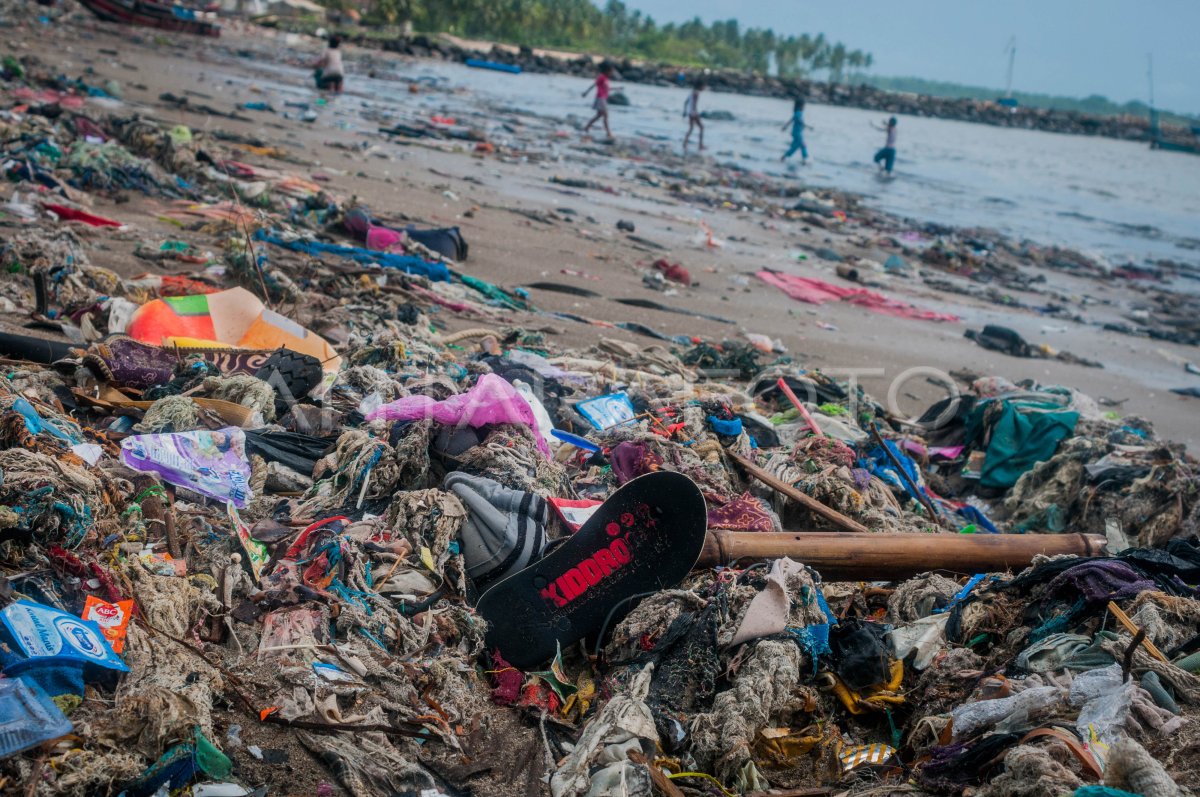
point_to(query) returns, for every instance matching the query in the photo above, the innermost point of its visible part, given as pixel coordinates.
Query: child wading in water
(601, 102)
(797, 125)
(329, 69)
(691, 109)
(886, 156)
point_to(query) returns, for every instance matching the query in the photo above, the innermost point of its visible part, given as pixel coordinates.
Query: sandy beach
(491, 198)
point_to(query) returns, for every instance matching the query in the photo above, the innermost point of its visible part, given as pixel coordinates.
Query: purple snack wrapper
(211, 463)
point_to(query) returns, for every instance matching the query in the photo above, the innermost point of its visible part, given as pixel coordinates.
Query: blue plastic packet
(605, 412)
(46, 635)
(28, 717)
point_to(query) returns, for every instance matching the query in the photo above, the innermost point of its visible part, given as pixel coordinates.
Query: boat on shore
(152, 14)
(479, 63)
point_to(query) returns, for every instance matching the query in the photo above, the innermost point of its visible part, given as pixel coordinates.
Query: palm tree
(837, 62)
(854, 59)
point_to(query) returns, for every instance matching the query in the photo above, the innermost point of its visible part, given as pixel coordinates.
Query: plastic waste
(925, 635)
(28, 716)
(605, 412)
(120, 311)
(234, 735)
(673, 271)
(765, 343)
(861, 755)
(112, 618)
(256, 553)
(575, 512)
(575, 440)
(971, 718)
(219, 790)
(19, 208)
(213, 464)
(54, 649)
(65, 213)
(36, 630)
(235, 317)
(36, 424)
(538, 363)
(1106, 701)
(491, 401)
(539, 411)
(332, 672)
(179, 765)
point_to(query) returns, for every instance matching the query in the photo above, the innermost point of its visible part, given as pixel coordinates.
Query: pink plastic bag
(491, 401)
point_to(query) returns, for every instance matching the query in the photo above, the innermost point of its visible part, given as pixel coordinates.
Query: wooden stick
(661, 781)
(924, 499)
(799, 405)
(807, 501)
(172, 536)
(839, 556)
(1129, 625)
(154, 508)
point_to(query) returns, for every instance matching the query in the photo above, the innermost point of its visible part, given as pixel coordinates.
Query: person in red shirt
(601, 102)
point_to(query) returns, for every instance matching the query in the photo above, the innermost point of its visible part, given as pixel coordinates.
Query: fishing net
(57, 501)
(1033, 771)
(764, 688)
(244, 390)
(170, 414)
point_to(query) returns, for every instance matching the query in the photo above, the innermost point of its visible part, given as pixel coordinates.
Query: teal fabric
(1162, 698)
(1052, 652)
(1024, 434)
(1066, 652)
(1093, 656)
(1102, 791)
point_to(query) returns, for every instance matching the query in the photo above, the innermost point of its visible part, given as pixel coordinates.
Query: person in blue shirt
(797, 125)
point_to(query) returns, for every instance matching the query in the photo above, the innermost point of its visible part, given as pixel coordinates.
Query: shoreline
(540, 60)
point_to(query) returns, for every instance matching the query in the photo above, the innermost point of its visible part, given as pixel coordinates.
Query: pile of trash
(287, 524)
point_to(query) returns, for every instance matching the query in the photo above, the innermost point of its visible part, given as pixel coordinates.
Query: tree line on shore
(615, 29)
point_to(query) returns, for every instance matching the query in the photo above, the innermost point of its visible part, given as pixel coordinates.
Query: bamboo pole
(807, 501)
(886, 557)
(1129, 625)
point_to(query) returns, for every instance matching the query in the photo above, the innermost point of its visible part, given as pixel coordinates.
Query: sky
(1066, 47)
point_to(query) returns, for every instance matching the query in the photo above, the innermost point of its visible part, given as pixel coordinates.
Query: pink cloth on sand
(816, 291)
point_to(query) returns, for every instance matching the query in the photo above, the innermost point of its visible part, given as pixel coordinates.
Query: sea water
(1116, 198)
(1119, 200)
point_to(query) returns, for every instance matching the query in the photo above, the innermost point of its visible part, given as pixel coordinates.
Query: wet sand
(446, 183)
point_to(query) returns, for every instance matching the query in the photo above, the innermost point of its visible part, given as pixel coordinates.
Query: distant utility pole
(1011, 49)
(1154, 132)
(1150, 75)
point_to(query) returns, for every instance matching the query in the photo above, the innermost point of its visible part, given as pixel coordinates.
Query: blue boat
(478, 63)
